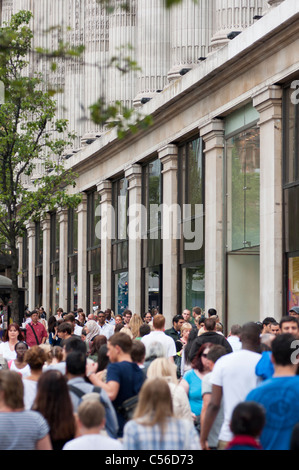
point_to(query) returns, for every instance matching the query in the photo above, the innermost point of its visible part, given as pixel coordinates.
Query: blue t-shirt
(279, 396)
(194, 394)
(130, 378)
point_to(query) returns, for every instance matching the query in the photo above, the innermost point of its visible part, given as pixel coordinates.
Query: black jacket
(208, 337)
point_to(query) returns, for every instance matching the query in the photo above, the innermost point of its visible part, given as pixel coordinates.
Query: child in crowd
(90, 422)
(248, 420)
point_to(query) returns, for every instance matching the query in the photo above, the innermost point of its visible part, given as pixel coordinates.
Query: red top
(40, 332)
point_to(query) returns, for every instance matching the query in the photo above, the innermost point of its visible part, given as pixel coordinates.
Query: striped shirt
(179, 434)
(21, 430)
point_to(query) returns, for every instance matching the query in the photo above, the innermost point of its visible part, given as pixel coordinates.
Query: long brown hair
(54, 403)
(155, 403)
(17, 327)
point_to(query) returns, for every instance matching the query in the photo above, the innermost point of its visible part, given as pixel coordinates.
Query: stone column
(120, 86)
(268, 103)
(31, 264)
(153, 48)
(191, 31)
(233, 16)
(133, 174)
(104, 188)
(213, 136)
(169, 159)
(45, 226)
(82, 253)
(63, 258)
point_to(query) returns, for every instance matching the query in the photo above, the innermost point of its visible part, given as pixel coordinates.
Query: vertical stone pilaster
(268, 103)
(133, 175)
(63, 258)
(213, 136)
(104, 188)
(169, 159)
(45, 226)
(82, 253)
(31, 264)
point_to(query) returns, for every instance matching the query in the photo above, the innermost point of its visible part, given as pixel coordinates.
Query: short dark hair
(74, 343)
(122, 340)
(127, 312)
(210, 324)
(144, 329)
(248, 418)
(197, 311)
(65, 327)
(288, 318)
(268, 320)
(137, 351)
(76, 363)
(215, 352)
(70, 317)
(250, 332)
(176, 318)
(212, 311)
(282, 349)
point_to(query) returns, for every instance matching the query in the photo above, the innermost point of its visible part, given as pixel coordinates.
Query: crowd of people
(126, 382)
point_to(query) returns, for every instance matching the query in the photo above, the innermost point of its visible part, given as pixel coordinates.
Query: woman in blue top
(192, 380)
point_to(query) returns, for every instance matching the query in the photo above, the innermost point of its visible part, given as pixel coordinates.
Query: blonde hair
(127, 331)
(154, 404)
(162, 367)
(134, 324)
(186, 326)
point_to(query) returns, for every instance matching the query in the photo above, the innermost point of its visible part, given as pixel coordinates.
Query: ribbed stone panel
(191, 29)
(122, 43)
(153, 48)
(234, 16)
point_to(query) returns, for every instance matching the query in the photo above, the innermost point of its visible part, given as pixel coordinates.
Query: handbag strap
(37, 342)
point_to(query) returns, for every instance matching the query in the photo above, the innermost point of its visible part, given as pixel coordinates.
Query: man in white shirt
(233, 377)
(234, 337)
(105, 328)
(158, 336)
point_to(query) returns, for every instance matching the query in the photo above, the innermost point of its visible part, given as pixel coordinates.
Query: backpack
(83, 395)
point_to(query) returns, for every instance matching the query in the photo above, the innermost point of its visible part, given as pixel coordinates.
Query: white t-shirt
(93, 442)
(30, 387)
(160, 337)
(235, 342)
(25, 372)
(6, 352)
(235, 373)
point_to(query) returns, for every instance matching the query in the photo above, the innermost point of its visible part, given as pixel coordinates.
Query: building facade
(200, 208)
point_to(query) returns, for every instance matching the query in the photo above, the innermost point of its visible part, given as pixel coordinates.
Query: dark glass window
(72, 260)
(120, 201)
(151, 237)
(38, 264)
(191, 186)
(291, 193)
(54, 263)
(93, 251)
